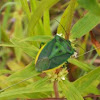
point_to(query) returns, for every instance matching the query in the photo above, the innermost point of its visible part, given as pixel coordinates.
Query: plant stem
(55, 86)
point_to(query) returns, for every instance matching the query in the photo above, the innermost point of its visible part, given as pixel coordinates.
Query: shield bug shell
(53, 54)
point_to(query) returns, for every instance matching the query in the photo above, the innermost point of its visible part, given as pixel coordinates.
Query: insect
(52, 55)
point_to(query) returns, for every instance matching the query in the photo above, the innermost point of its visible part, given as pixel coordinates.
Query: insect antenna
(79, 46)
(67, 34)
(87, 52)
(16, 84)
(62, 27)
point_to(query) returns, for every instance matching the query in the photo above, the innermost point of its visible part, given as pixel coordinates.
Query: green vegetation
(25, 25)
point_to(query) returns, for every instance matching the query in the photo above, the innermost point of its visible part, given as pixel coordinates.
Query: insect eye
(61, 40)
(68, 48)
(60, 51)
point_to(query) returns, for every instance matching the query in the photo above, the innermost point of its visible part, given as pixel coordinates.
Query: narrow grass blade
(70, 92)
(39, 29)
(84, 82)
(90, 5)
(35, 87)
(4, 36)
(80, 64)
(29, 49)
(6, 16)
(7, 4)
(18, 31)
(46, 20)
(0, 33)
(7, 45)
(24, 73)
(66, 19)
(13, 66)
(84, 25)
(25, 7)
(38, 13)
(5, 71)
(38, 38)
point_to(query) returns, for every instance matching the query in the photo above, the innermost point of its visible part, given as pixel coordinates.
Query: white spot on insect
(59, 34)
(75, 54)
(63, 78)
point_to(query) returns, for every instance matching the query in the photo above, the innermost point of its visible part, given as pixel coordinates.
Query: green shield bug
(52, 55)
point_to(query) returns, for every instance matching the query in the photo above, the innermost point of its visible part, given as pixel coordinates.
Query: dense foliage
(24, 25)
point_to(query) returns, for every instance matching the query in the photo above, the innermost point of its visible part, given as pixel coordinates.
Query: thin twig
(56, 89)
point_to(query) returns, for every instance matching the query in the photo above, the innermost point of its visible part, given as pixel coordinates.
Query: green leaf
(20, 77)
(18, 31)
(25, 7)
(18, 53)
(46, 20)
(6, 16)
(27, 72)
(7, 45)
(5, 71)
(29, 49)
(12, 65)
(84, 25)
(44, 5)
(80, 64)
(38, 95)
(35, 87)
(7, 4)
(4, 36)
(33, 5)
(70, 91)
(90, 5)
(93, 88)
(38, 38)
(82, 83)
(0, 33)
(66, 19)
(39, 26)
(2, 79)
